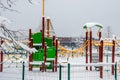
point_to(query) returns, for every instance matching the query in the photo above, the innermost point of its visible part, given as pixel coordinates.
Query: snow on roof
(92, 24)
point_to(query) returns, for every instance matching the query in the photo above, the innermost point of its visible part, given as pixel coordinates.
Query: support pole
(30, 32)
(43, 7)
(100, 52)
(45, 58)
(1, 57)
(30, 45)
(87, 50)
(1, 61)
(53, 66)
(90, 49)
(53, 40)
(113, 56)
(56, 59)
(48, 27)
(43, 22)
(43, 31)
(100, 34)
(101, 58)
(30, 55)
(100, 47)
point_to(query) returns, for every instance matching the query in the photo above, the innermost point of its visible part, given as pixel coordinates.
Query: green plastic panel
(38, 56)
(49, 41)
(49, 66)
(37, 38)
(51, 52)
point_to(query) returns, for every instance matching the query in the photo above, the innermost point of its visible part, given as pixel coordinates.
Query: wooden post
(53, 40)
(30, 55)
(48, 27)
(43, 7)
(90, 49)
(45, 58)
(1, 61)
(30, 32)
(56, 59)
(54, 62)
(53, 66)
(43, 22)
(113, 56)
(86, 50)
(101, 58)
(100, 47)
(30, 45)
(43, 31)
(1, 57)
(100, 52)
(100, 34)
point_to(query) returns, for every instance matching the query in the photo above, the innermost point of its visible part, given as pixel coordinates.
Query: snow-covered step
(39, 63)
(50, 59)
(37, 44)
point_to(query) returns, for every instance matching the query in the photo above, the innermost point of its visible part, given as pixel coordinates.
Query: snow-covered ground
(13, 70)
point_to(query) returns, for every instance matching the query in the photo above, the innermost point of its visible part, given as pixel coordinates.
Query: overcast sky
(68, 16)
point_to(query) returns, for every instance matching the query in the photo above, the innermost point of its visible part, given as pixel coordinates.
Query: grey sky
(68, 16)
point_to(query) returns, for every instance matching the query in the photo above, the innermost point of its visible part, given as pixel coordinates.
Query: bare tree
(9, 4)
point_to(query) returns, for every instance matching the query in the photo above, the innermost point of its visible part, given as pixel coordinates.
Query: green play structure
(39, 57)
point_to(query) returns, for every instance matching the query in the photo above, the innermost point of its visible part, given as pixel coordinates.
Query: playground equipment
(89, 26)
(46, 55)
(89, 42)
(80, 50)
(100, 44)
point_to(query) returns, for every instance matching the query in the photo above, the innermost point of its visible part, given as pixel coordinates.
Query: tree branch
(30, 1)
(9, 3)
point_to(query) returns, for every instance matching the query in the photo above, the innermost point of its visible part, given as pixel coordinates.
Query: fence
(79, 72)
(19, 71)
